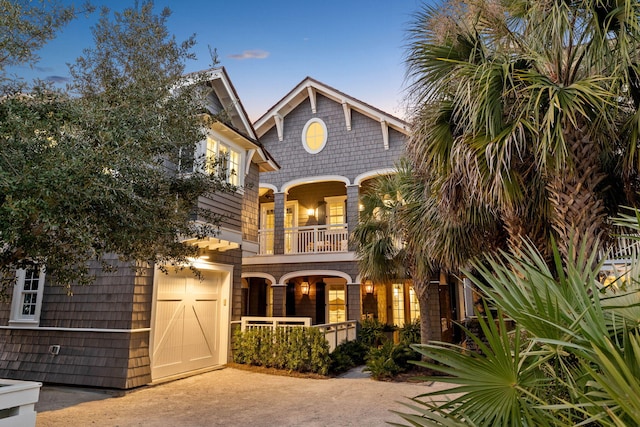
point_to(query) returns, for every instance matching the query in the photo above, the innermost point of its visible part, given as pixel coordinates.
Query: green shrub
(410, 332)
(390, 359)
(381, 363)
(347, 355)
(297, 349)
(372, 332)
(571, 360)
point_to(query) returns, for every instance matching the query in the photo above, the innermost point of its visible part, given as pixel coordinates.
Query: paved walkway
(233, 397)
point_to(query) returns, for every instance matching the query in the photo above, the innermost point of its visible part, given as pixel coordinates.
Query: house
(140, 325)
(283, 251)
(329, 146)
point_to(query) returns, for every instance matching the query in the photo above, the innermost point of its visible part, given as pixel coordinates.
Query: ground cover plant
(571, 360)
(386, 358)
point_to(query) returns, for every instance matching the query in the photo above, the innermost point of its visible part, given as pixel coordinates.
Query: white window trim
(328, 281)
(304, 135)
(336, 200)
(203, 151)
(17, 318)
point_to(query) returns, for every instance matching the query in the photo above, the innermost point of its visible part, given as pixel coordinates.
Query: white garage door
(188, 328)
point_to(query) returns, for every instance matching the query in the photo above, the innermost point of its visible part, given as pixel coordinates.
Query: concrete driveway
(233, 397)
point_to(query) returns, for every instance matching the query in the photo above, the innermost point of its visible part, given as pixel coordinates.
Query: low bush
(389, 360)
(347, 355)
(372, 332)
(410, 332)
(297, 349)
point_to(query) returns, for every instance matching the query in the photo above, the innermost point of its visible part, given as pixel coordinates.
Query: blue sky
(269, 46)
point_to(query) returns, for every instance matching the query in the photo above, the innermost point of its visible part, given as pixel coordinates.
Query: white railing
(622, 247)
(334, 333)
(316, 239)
(307, 240)
(17, 402)
(251, 322)
(337, 333)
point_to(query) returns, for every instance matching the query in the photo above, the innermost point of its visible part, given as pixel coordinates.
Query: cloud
(250, 54)
(43, 69)
(57, 79)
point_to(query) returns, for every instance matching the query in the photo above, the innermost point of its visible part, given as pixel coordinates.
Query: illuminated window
(336, 305)
(27, 296)
(267, 226)
(314, 136)
(414, 306)
(335, 210)
(398, 304)
(229, 164)
(223, 159)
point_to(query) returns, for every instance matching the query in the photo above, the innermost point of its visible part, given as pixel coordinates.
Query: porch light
(304, 286)
(311, 212)
(368, 287)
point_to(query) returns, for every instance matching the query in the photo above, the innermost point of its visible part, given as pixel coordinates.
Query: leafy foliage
(389, 359)
(97, 170)
(27, 26)
(298, 349)
(410, 333)
(347, 355)
(572, 358)
(372, 332)
(529, 110)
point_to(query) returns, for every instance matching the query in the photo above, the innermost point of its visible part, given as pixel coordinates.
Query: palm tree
(522, 106)
(402, 234)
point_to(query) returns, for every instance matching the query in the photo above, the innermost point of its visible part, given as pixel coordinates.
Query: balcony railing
(308, 240)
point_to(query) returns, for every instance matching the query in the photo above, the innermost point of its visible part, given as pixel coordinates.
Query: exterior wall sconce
(304, 286)
(311, 212)
(368, 287)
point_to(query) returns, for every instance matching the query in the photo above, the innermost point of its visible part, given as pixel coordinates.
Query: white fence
(17, 402)
(337, 333)
(273, 322)
(334, 333)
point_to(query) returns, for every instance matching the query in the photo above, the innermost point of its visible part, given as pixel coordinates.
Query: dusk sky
(269, 46)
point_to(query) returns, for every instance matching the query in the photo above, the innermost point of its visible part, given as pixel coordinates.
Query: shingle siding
(250, 209)
(120, 300)
(347, 153)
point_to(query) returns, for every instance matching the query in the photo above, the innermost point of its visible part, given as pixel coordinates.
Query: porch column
(354, 301)
(353, 211)
(278, 213)
(279, 294)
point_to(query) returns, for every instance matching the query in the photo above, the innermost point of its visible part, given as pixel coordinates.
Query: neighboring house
(329, 146)
(139, 325)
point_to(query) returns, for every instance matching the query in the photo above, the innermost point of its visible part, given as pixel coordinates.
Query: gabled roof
(219, 81)
(236, 121)
(308, 88)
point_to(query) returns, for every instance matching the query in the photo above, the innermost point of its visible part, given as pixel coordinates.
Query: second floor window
(224, 159)
(336, 210)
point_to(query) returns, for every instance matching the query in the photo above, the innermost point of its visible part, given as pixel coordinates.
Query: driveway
(233, 397)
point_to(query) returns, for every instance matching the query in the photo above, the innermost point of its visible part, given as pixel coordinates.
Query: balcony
(308, 240)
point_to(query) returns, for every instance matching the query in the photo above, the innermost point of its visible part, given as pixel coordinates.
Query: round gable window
(314, 136)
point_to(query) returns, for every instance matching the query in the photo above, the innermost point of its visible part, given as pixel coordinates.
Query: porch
(308, 239)
(307, 217)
